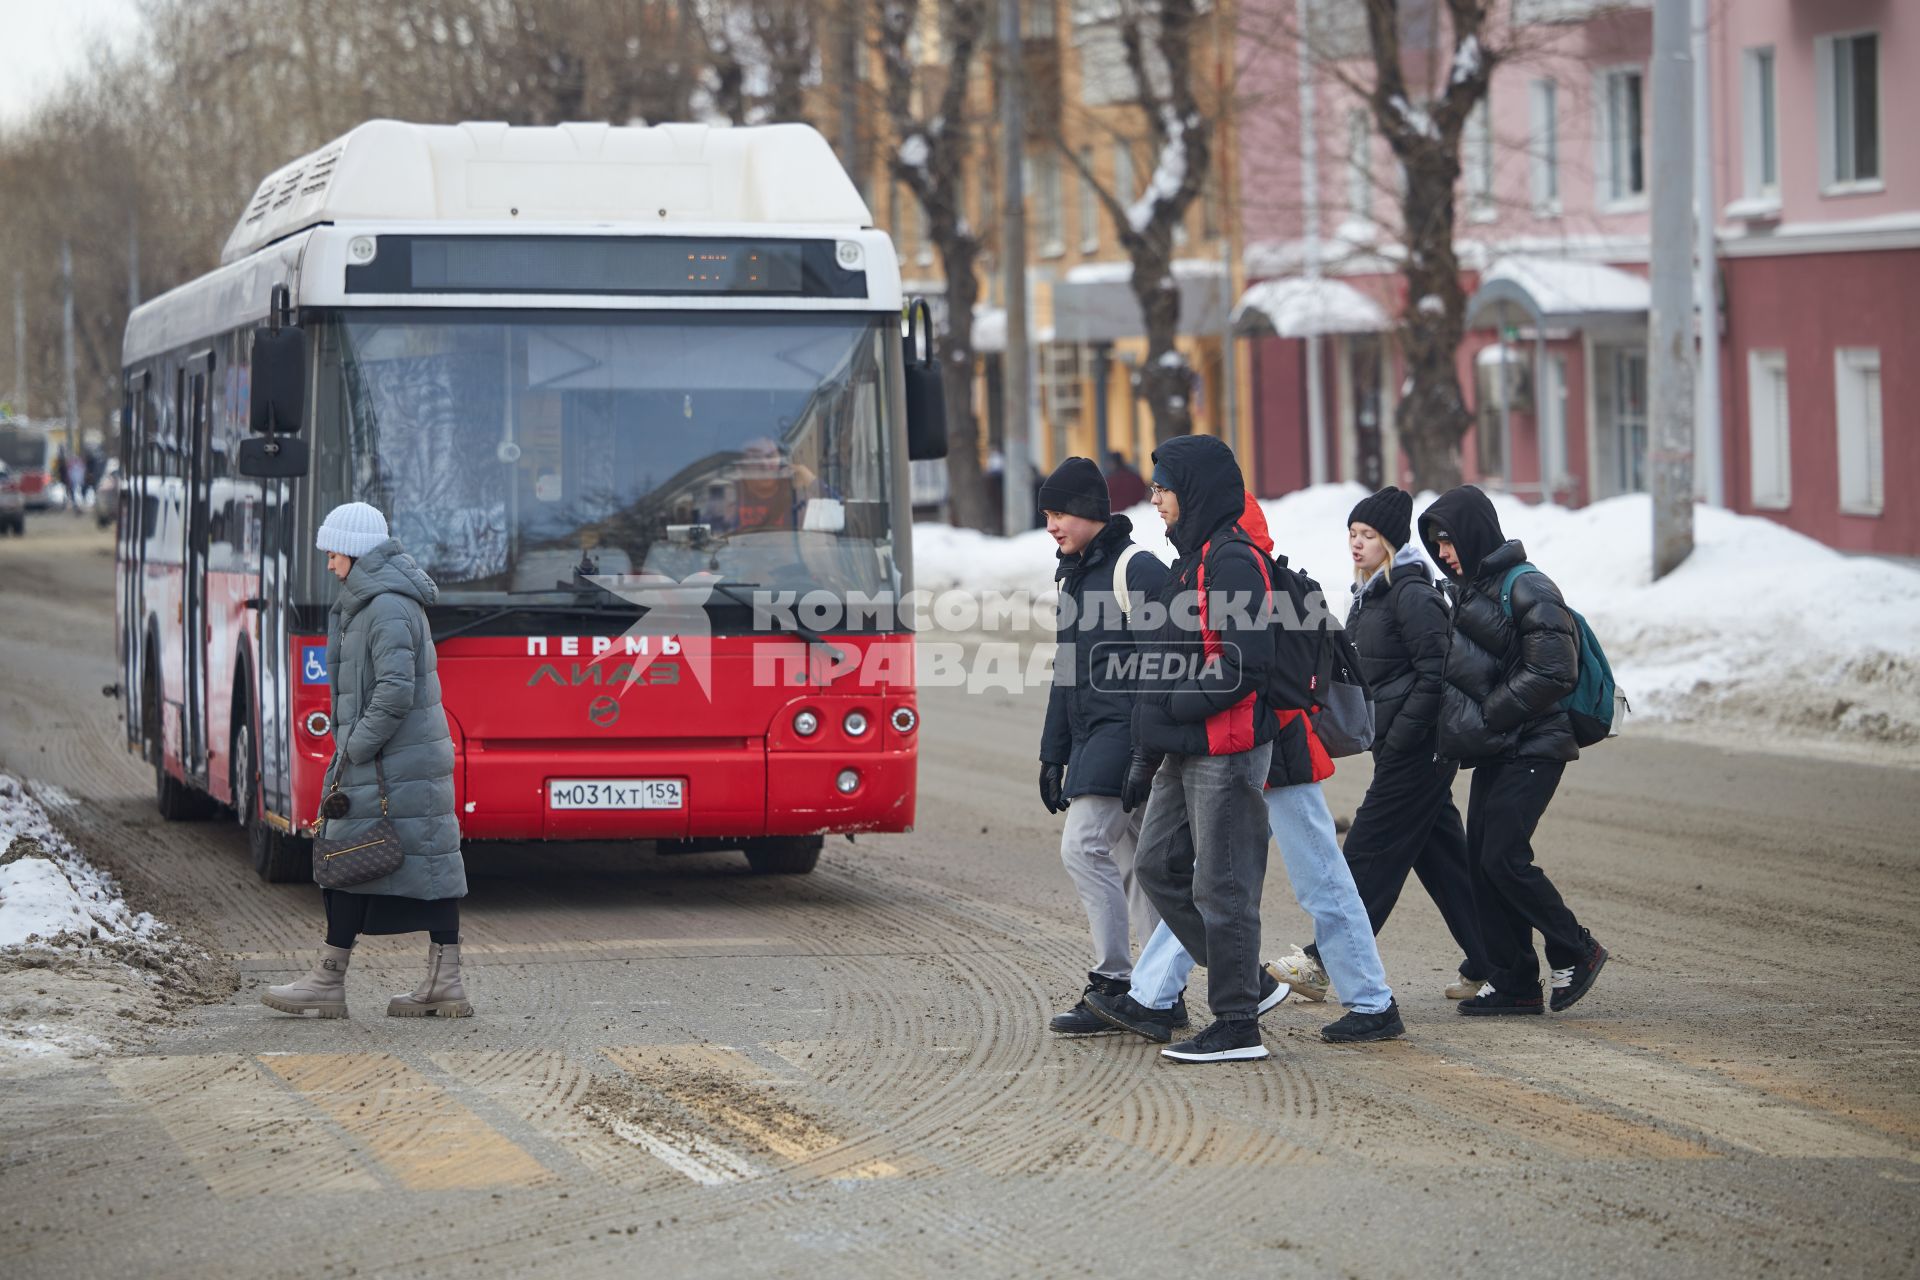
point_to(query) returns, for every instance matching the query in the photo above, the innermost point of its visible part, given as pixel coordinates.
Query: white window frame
(1831, 183)
(1608, 167)
(1477, 161)
(1048, 227)
(1359, 165)
(1769, 443)
(1543, 145)
(1859, 430)
(1760, 123)
(1089, 206)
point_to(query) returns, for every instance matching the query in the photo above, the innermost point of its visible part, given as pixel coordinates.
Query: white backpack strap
(1121, 595)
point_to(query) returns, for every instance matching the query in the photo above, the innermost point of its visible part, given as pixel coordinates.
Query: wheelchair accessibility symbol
(313, 664)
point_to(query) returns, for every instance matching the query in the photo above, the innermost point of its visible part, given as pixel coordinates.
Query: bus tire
(278, 858)
(784, 855)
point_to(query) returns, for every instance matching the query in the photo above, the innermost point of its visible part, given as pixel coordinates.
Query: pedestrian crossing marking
(237, 1128)
(413, 1127)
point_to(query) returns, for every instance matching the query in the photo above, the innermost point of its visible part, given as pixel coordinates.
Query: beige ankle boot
(322, 993)
(442, 994)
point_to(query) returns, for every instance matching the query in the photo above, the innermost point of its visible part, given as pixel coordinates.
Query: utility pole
(1310, 200)
(1670, 357)
(850, 97)
(19, 348)
(1225, 223)
(1015, 383)
(1710, 480)
(66, 354)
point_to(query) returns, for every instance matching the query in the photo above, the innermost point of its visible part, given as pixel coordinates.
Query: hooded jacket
(1205, 699)
(1298, 756)
(386, 703)
(1089, 717)
(1399, 626)
(1503, 675)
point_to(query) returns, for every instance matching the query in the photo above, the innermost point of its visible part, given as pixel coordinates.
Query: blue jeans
(1160, 974)
(1323, 885)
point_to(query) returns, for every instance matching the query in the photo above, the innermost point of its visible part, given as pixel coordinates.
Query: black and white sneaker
(1492, 1003)
(1357, 1027)
(1227, 1040)
(1576, 980)
(1127, 1014)
(1083, 1021)
(1273, 992)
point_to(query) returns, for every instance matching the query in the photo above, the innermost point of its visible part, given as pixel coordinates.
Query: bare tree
(930, 161)
(1158, 37)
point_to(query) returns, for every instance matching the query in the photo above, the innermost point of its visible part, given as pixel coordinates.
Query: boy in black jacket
(1508, 666)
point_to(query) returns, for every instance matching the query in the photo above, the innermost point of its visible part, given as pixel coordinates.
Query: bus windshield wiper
(734, 591)
(505, 611)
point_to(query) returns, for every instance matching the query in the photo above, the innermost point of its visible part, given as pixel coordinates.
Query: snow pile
(47, 890)
(1764, 638)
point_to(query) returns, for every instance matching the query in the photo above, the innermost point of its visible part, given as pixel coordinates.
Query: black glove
(1139, 781)
(1053, 779)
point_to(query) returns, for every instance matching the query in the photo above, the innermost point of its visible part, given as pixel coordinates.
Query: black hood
(1467, 517)
(1205, 477)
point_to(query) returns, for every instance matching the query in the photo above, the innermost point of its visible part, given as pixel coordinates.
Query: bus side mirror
(279, 391)
(926, 399)
(273, 457)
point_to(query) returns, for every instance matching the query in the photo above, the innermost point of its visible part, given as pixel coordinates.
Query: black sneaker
(1572, 983)
(1356, 1027)
(1127, 1014)
(1491, 1003)
(1273, 993)
(1227, 1040)
(1082, 1021)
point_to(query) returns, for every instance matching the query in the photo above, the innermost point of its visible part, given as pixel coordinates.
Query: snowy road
(681, 1069)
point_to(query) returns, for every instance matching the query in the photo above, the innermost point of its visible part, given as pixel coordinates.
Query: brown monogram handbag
(375, 852)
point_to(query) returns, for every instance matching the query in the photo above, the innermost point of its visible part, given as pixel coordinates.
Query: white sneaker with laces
(1301, 972)
(1463, 988)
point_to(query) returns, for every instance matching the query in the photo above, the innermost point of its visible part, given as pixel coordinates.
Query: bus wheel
(278, 858)
(784, 855)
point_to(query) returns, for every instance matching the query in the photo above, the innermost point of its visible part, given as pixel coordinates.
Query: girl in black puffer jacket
(1514, 653)
(1408, 821)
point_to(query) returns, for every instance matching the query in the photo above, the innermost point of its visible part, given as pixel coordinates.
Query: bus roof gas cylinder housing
(389, 171)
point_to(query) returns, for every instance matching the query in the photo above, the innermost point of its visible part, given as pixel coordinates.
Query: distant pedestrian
(1513, 656)
(76, 478)
(1407, 822)
(1125, 488)
(1085, 745)
(393, 755)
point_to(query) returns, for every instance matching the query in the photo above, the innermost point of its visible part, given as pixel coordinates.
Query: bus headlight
(904, 720)
(848, 782)
(855, 723)
(319, 723)
(806, 724)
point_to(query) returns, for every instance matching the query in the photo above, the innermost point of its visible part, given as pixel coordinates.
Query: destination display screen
(629, 265)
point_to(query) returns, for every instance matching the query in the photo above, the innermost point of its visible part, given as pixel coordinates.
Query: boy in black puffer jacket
(1506, 671)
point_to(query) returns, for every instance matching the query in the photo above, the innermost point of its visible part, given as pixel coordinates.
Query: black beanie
(1077, 488)
(1389, 511)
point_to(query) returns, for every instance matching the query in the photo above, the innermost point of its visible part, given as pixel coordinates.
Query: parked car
(106, 494)
(13, 503)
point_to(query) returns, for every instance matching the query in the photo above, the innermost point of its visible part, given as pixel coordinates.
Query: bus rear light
(806, 724)
(319, 723)
(855, 723)
(848, 782)
(904, 719)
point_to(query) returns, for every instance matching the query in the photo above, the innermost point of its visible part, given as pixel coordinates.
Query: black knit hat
(1389, 511)
(1077, 488)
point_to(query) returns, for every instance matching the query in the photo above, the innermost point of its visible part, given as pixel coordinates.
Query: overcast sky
(42, 42)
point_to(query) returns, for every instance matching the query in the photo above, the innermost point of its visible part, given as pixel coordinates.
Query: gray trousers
(1203, 862)
(1097, 848)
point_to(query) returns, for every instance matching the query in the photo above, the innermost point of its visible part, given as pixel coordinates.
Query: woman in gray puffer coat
(387, 719)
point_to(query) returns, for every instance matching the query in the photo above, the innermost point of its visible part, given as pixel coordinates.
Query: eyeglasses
(1155, 490)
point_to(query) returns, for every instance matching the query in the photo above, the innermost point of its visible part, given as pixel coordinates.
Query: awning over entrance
(990, 331)
(1557, 293)
(1300, 308)
(1095, 303)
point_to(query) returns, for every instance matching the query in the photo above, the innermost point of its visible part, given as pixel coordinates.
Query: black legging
(347, 919)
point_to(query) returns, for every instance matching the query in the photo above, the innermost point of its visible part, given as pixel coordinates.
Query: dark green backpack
(1595, 702)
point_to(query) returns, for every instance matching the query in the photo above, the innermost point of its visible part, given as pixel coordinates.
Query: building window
(1089, 206)
(1623, 159)
(1124, 187)
(1048, 231)
(1543, 146)
(1359, 165)
(1760, 126)
(923, 234)
(1479, 163)
(1767, 432)
(1856, 393)
(1849, 76)
(1059, 367)
(1036, 20)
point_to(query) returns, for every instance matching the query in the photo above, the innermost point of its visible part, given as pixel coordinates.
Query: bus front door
(194, 583)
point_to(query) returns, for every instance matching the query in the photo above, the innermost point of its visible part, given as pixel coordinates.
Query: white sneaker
(1301, 972)
(1463, 988)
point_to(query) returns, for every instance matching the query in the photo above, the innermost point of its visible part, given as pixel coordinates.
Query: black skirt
(352, 913)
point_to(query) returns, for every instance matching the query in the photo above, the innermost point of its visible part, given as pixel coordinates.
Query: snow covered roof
(1559, 292)
(1302, 308)
(990, 331)
(1122, 272)
(1095, 302)
(575, 173)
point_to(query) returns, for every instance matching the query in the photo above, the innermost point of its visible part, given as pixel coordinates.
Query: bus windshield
(518, 454)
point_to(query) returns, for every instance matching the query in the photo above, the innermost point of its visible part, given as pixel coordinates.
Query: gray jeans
(1203, 861)
(1097, 849)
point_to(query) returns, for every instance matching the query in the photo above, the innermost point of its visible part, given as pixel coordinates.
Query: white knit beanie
(352, 529)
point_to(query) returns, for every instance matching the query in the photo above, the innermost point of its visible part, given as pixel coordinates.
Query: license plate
(616, 793)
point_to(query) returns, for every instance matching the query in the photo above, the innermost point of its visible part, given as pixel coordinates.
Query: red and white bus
(28, 452)
(562, 361)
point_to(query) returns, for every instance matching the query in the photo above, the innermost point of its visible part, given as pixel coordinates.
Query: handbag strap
(380, 772)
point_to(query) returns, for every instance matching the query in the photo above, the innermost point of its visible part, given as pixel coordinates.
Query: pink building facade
(1817, 193)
